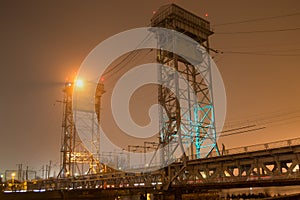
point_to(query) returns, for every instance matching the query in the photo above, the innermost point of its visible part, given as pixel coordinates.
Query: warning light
(206, 15)
(153, 12)
(102, 79)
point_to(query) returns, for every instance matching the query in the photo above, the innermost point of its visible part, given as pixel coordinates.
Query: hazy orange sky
(44, 42)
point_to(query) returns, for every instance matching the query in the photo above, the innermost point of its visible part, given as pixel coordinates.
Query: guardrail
(255, 147)
(265, 146)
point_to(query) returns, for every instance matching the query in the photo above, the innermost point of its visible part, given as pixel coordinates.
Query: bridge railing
(256, 147)
(265, 146)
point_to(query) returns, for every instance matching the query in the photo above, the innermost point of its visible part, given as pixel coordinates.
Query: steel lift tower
(75, 158)
(193, 121)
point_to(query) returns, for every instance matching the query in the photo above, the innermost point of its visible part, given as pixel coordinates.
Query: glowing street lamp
(79, 83)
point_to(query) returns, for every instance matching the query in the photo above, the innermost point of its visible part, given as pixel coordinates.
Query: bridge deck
(258, 168)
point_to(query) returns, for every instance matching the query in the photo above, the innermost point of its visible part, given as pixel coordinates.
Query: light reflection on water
(282, 190)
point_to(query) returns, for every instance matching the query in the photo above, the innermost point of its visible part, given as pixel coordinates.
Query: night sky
(44, 42)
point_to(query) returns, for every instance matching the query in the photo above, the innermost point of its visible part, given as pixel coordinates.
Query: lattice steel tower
(195, 120)
(75, 158)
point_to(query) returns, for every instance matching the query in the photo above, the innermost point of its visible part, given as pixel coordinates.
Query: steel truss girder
(264, 167)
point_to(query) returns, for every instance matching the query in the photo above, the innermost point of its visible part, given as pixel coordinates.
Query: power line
(248, 128)
(256, 53)
(239, 128)
(259, 128)
(259, 31)
(273, 44)
(260, 53)
(258, 19)
(132, 52)
(240, 132)
(283, 116)
(277, 50)
(136, 53)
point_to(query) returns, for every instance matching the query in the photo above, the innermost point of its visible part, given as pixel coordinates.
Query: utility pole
(49, 170)
(20, 170)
